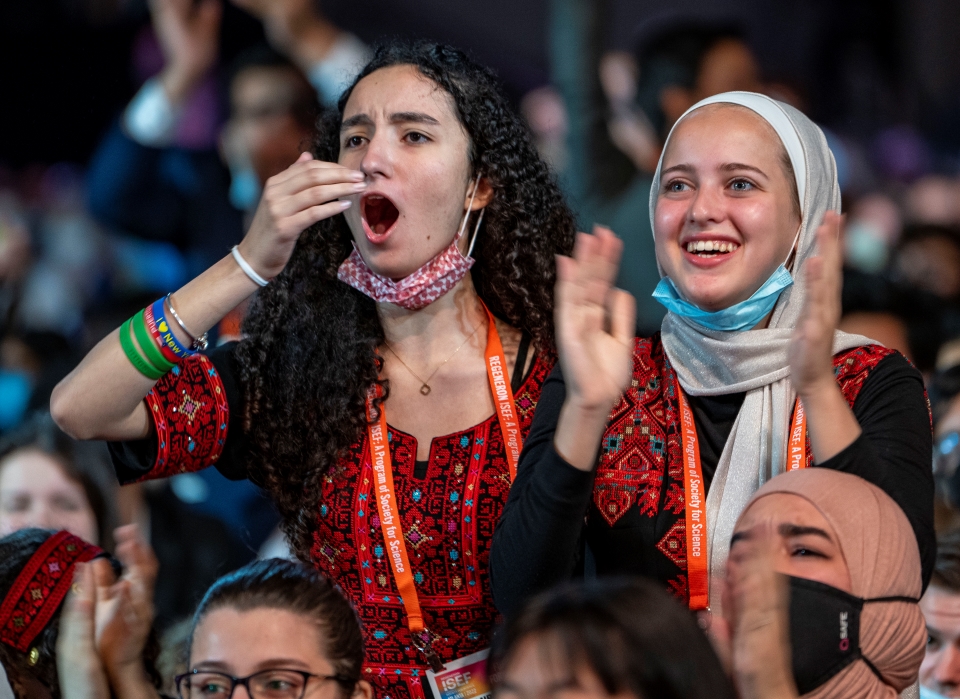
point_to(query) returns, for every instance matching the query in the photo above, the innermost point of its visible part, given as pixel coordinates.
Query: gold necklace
(425, 385)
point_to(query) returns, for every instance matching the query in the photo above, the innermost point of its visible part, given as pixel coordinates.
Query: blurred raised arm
(189, 36)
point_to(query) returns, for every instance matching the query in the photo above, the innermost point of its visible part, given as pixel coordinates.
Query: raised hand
(102, 627)
(811, 351)
(188, 33)
(831, 424)
(595, 322)
(595, 339)
(756, 604)
(80, 670)
(298, 197)
(125, 608)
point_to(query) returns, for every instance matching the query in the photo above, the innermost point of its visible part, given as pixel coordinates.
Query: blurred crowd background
(114, 191)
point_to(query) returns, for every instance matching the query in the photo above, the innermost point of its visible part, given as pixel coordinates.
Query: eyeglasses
(266, 684)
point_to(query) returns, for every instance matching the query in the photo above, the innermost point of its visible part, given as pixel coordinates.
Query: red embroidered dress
(448, 516)
(628, 514)
(641, 464)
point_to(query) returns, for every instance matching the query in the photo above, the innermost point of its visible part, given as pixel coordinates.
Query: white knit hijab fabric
(712, 363)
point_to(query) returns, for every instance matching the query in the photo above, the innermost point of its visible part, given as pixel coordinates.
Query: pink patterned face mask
(423, 286)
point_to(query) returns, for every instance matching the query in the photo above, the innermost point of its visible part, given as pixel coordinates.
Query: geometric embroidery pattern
(40, 587)
(190, 415)
(448, 518)
(640, 455)
(674, 544)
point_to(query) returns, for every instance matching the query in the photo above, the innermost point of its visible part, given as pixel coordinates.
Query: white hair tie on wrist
(247, 269)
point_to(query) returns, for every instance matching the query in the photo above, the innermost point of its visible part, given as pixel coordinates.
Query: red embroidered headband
(40, 587)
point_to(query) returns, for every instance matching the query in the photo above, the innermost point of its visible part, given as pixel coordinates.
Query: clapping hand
(831, 424)
(595, 339)
(81, 672)
(756, 605)
(105, 624)
(811, 351)
(125, 608)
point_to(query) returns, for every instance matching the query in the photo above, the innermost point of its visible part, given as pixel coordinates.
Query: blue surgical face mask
(740, 316)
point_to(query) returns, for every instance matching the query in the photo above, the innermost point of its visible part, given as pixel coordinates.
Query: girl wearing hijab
(847, 608)
(747, 379)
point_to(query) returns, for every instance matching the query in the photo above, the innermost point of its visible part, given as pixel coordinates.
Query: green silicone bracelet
(139, 363)
(151, 352)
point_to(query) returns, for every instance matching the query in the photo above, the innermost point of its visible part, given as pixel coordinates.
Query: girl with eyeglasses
(278, 629)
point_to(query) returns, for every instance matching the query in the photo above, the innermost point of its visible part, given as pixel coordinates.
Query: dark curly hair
(15, 550)
(294, 587)
(309, 355)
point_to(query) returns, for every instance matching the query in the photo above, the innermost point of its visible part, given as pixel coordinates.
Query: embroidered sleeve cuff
(190, 413)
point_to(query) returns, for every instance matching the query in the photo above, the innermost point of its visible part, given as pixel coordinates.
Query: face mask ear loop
(466, 215)
(873, 668)
(892, 598)
(476, 230)
(792, 255)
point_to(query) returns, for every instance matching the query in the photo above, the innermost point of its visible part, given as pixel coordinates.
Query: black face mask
(825, 631)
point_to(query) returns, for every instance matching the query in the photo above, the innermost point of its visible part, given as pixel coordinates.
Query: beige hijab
(710, 363)
(881, 553)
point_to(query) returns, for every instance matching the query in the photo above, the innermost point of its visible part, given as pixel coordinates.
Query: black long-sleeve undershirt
(540, 538)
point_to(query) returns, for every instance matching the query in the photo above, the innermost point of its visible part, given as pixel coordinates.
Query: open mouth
(711, 248)
(379, 213)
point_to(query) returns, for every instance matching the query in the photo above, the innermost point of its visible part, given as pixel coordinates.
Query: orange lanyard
(695, 494)
(386, 495)
(797, 446)
(503, 395)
